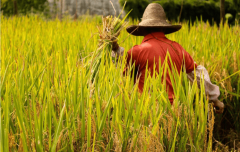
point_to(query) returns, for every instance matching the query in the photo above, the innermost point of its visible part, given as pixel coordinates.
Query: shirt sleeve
(132, 59)
(189, 62)
(211, 90)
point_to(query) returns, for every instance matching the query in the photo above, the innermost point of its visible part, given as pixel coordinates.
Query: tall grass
(47, 103)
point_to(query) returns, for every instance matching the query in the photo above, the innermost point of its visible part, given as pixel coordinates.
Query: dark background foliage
(138, 7)
(14, 7)
(207, 10)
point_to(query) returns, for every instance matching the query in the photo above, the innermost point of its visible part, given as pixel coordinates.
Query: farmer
(155, 45)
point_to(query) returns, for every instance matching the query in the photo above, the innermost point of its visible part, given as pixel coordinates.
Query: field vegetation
(48, 102)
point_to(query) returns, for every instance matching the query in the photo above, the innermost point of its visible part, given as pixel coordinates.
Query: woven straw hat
(154, 17)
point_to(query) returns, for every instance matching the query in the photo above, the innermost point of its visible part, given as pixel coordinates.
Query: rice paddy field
(48, 102)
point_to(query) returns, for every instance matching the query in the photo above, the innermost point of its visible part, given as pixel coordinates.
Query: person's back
(155, 45)
(152, 52)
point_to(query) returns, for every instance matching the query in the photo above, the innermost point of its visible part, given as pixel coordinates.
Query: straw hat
(154, 17)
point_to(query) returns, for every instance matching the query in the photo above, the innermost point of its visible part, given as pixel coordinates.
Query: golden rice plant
(47, 104)
(108, 33)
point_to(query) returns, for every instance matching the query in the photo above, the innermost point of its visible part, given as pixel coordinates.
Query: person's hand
(115, 46)
(218, 106)
(118, 52)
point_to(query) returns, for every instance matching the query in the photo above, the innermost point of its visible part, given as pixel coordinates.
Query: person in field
(155, 45)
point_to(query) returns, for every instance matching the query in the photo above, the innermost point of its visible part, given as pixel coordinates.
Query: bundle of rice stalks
(111, 28)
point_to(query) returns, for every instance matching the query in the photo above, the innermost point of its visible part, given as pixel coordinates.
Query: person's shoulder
(135, 48)
(146, 45)
(177, 45)
(134, 52)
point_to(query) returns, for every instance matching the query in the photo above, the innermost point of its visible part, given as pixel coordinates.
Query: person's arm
(117, 53)
(201, 73)
(211, 90)
(131, 58)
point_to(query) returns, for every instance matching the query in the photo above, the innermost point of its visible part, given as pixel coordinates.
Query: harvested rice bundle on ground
(111, 28)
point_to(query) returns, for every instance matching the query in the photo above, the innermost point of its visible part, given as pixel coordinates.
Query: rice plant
(47, 103)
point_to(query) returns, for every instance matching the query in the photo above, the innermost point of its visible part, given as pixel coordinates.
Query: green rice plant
(47, 103)
(111, 28)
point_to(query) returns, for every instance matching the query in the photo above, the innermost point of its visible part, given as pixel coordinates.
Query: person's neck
(153, 33)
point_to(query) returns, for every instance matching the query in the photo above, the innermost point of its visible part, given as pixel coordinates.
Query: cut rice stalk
(111, 28)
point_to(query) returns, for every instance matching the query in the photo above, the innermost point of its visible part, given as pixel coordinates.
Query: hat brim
(141, 30)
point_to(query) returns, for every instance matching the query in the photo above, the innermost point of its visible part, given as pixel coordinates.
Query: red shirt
(154, 47)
